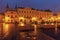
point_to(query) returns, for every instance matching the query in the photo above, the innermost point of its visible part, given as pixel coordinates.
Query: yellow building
(26, 14)
(29, 13)
(10, 15)
(58, 16)
(44, 14)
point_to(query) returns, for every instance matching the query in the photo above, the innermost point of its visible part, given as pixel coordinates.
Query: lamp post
(35, 31)
(35, 27)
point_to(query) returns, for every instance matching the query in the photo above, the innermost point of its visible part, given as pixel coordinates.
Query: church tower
(16, 6)
(7, 7)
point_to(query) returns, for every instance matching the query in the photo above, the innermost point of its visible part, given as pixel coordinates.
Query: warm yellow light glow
(5, 26)
(45, 19)
(35, 29)
(6, 19)
(51, 19)
(38, 22)
(22, 24)
(33, 18)
(58, 17)
(52, 23)
(21, 18)
(5, 29)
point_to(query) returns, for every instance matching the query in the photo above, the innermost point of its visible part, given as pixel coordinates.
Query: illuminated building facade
(30, 13)
(26, 14)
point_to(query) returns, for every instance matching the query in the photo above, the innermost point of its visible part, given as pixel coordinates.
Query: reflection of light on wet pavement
(5, 29)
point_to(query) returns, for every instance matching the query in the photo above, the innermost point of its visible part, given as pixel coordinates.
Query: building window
(30, 11)
(24, 11)
(15, 15)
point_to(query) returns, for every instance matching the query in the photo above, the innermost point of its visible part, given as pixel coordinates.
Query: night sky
(53, 5)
